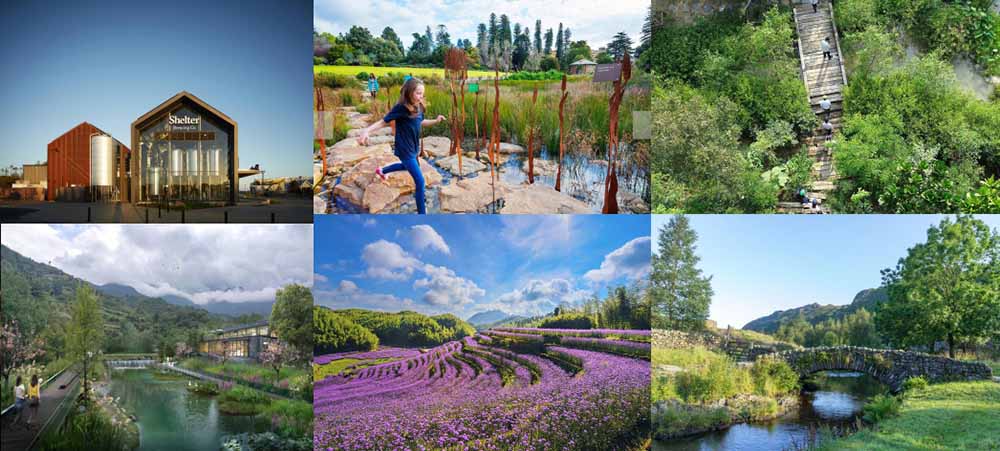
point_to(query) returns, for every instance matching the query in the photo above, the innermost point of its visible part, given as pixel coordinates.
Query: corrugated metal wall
(35, 174)
(69, 161)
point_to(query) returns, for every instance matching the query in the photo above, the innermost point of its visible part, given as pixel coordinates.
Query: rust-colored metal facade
(68, 165)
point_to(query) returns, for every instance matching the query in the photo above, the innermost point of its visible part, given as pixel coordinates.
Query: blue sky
(594, 21)
(68, 62)
(764, 263)
(464, 264)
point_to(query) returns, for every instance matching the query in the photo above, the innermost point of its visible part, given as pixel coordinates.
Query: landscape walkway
(206, 377)
(55, 396)
(823, 78)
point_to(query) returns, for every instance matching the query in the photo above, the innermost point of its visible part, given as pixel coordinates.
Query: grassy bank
(961, 415)
(290, 377)
(335, 367)
(687, 401)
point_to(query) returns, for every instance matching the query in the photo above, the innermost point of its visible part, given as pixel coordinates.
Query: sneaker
(381, 175)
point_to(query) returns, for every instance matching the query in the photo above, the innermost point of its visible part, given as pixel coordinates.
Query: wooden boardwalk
(823, 78)
(55, 398)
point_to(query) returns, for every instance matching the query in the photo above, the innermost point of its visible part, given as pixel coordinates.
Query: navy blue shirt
(407, 131)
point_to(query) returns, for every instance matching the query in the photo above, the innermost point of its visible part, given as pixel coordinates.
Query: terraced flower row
(381, 353)
(533, 342)
(624, 334)
(473, 395)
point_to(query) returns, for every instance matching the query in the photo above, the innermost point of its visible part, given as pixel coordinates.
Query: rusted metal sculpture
(456, 70)
(562, 104)
(320, 135)
(611, 180)
(475, 120)
(531, 137)
(494, 149)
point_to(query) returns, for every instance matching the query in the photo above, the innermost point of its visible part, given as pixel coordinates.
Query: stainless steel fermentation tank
(102, 168)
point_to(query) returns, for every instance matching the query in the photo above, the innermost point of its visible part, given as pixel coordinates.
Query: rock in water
(470, 195)
(632, 203)
(469, 165)
(360, 186)
(437, 146)
(541, 199)
(542, 167)
(508, 148)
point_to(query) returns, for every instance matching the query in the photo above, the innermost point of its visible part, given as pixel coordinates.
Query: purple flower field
(384, 352)
(633, 335)
(469, 395)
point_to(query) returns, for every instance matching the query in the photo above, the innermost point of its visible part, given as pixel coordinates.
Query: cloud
(444, 288)
(319, 278)
(205, 262)
(540, 296)
(348, 295)
(370, 222)
(538, 234)
(630, 261)
(424, 236)
(387, 260)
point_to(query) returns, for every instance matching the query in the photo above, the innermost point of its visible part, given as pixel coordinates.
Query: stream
(837, 403)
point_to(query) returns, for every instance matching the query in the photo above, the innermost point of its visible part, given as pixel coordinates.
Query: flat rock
(384, 131)
(437, 146)
(542, 167)
(344, 158)
(319, 203)
(470, 195)
(485, 157)
(508, 148)
(541, 199)
(317, 171)
(469, 165)
(630, 202)
(360, 186)
(359, 121)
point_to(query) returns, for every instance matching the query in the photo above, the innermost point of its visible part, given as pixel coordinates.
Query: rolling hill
(816, 313)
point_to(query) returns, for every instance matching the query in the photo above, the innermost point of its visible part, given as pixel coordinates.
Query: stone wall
(739, 349)
(890, 367)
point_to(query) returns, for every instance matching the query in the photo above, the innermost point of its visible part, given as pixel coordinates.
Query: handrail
(61, 410)
(802, 55)
(836, 36)
(44, 383)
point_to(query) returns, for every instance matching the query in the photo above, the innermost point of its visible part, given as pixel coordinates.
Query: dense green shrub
(540, 75)
(773, 377)
(335, 333)
(568, 321)
(87, 430)
(881, 407)
(334, 81)
(915, 383)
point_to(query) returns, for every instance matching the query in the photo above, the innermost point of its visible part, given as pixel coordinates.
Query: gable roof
(177, 98)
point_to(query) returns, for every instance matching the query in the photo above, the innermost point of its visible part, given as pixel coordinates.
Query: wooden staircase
(822, 78)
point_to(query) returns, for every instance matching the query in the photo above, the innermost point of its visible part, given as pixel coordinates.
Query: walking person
(19, 402)
(34, 397)
(825, 105)
(828, 127)
(373, 86)
(409, 116)
(825, 45)
(815, 4)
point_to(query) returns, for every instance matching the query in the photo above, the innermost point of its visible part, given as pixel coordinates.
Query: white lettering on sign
(185, 120)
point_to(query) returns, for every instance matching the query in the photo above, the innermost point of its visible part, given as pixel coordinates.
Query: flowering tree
(182, 350)
(277, 354)
(16, 348)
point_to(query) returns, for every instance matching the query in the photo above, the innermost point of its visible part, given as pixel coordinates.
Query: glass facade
(185, 154)
(245, 342)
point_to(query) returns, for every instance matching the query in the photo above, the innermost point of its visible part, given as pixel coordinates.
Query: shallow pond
(172, 419)
(837, 403)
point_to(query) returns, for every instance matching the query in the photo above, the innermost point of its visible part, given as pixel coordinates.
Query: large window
(184, 155)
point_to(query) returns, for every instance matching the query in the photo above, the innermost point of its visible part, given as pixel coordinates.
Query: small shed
(583, 66)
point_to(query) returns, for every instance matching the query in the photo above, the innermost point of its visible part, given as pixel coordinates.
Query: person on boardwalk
(409, 116)
(825, 45)
(373, 86)
(825, 105)
(19, 402)
(34, 397)
(828, 127)
(815, 4)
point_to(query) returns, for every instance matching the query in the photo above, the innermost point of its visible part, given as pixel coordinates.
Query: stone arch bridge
(891, 367)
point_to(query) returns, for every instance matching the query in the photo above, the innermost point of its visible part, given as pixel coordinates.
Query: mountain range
(227, 308)
(816, 313)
